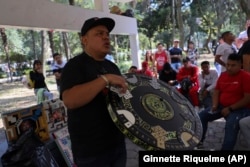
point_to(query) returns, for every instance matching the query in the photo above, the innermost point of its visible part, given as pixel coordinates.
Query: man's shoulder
(212, 71)
(194, 67)
(78, 58)
(245, 74)
(222, 47)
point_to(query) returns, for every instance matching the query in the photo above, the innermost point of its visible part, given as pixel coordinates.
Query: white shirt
(56, 66)
(209, 79)
(243, 35)
(224, 50)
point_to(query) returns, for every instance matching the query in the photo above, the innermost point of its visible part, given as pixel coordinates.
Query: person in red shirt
(187, 73)
(231, 99)
(145, 70)
(160, 57)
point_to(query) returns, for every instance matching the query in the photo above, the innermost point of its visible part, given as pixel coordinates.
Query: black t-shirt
(245, 49)
(39, 79)
(91, 128)
(167, 77)
(175, 51)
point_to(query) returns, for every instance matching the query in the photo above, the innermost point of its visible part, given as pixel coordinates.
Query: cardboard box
(15, 122)
(56, 114)
(64, 144)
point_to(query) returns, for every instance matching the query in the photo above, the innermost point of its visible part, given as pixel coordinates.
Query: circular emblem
(157, 107)
(154, 115)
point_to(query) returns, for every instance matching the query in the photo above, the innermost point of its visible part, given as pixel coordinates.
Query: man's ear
(84, 40)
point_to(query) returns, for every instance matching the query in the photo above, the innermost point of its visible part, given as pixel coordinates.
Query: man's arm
(180, 75)
(168, 57)
(215, 99)
(82, 94)
(218, 60)
(214, 80)
(201, 80)
(195, 74)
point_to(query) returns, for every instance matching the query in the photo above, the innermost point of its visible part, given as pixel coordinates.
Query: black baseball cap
(95, 21)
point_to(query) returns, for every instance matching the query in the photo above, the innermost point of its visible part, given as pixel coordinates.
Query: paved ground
(213, 141)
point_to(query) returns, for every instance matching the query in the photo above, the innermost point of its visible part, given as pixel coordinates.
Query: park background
(200, 21)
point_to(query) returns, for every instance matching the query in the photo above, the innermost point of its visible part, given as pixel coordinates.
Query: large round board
(154, 115)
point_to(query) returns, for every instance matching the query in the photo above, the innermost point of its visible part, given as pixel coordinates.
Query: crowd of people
(84, 81)
(214, 93)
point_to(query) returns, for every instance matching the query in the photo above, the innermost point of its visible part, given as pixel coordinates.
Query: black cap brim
(107, 22)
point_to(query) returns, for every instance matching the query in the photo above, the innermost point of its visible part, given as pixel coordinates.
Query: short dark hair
(167, 67)
(224, 34)
(186, 59)
(36, 62)
(234, 57)
(205, 63)
(160, 44)
(56, 54)
(133, 67)
(190, 42)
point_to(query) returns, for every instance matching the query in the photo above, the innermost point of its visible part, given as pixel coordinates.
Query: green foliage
(155, 24)
(124, 66)
(17, 57)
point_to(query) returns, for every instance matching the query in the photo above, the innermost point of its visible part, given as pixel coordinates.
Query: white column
(134, 45)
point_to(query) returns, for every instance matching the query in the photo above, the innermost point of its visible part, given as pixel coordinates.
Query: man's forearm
(215, 98)
(218, 60)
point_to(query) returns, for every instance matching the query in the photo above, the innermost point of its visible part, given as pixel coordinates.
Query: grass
(15, 95)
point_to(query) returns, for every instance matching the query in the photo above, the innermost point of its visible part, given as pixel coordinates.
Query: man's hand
(204, 93)
(117, 81)
(225, 111)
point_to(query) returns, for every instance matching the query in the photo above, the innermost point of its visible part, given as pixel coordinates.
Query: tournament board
(154, 115)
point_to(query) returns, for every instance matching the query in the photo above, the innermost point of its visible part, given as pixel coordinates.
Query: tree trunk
(72, 2)
(207, 41)
(45, 50)
(133, 4)
(245, 6)
(173, 18)
(180, 21)
(51, 42)
(33, 43)
(66, 45)
(6, 49)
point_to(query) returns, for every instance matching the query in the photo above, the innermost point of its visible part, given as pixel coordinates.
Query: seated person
(40, 88)
(187, 73)
(168, 75)
(132, 69)
(207, 81)
(145, 70)
(231, 99)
